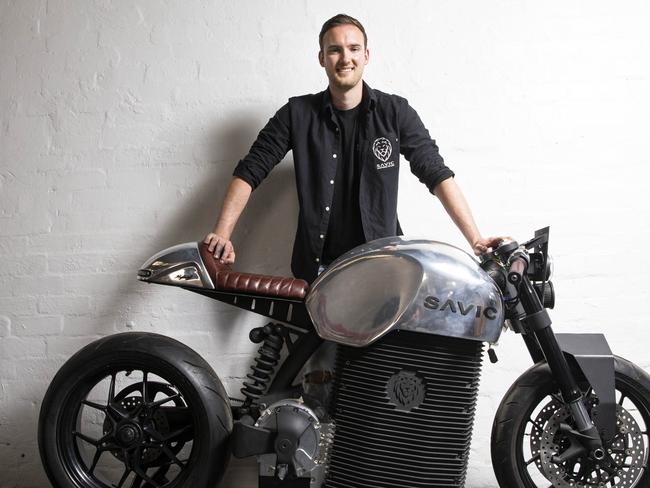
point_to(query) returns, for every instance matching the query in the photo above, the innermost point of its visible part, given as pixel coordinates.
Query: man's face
(343, 56)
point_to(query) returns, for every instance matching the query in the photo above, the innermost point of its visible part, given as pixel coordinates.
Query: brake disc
(622, 466)
(538, 429)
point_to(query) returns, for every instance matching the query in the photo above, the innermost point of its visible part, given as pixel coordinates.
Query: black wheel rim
(144, 434)
(627, 396)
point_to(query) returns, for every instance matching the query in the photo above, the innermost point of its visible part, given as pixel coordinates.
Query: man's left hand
(484, 244)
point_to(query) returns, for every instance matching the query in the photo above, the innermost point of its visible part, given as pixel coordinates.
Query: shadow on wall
(263, 237)
(264, 234)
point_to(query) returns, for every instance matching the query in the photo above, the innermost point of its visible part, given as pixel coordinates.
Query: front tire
(135, 410)
(527, 414)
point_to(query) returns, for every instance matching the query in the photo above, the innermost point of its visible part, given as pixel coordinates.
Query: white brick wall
(120, 123)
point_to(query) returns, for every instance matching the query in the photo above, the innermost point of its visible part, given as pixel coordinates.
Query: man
(346, 143)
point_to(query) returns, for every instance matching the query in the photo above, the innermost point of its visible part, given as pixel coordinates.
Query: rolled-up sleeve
(420, 149)
(272, 144)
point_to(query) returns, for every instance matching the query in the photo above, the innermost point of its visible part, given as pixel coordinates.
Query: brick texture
(120, 124)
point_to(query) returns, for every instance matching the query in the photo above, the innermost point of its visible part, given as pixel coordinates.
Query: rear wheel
(135, 410)
(526, 435)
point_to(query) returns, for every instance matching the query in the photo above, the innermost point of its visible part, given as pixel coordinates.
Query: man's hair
(341, 19)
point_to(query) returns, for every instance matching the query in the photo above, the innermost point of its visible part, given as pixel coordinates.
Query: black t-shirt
(345, 229)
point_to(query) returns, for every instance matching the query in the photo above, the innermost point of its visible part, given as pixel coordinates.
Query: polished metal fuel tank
(417, 285)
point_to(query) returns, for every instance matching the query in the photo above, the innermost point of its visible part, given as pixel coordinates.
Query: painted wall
(120, 124)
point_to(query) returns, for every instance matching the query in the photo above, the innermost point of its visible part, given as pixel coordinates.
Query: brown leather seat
(225, 279)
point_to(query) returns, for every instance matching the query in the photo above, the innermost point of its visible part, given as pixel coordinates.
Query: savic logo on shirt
(382, 149)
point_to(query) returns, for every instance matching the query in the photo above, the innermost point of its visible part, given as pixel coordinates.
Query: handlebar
(517, 267)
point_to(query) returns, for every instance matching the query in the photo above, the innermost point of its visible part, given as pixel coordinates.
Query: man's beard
(346, 83)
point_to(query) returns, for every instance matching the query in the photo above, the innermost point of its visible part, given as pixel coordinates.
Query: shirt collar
(368, 100)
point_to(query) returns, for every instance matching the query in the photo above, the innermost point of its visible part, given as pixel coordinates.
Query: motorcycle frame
(564, 353)
(291, 312)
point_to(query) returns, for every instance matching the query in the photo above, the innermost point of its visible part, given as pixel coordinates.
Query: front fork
(538, 322)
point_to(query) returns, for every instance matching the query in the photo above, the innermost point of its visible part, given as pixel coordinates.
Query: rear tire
(135, 410)
(530, 398)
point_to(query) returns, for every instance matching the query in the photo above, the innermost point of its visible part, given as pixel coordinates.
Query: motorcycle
(410, 320)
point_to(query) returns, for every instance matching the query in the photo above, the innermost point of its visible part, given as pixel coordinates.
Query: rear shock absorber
(263, 368)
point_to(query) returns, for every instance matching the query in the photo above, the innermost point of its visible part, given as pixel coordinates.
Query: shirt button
(317, 260)
(327, 209)
(322, 236)
(331, 182)
(334, 156)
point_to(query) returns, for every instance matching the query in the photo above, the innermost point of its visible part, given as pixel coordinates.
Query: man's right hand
(234, 202)
(221, 247)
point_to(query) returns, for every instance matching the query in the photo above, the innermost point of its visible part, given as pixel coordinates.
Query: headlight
(536, 269)
(550, 267)
(546, 293)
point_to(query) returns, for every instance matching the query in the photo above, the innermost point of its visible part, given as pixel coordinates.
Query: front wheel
(526, 434)
(135, 410)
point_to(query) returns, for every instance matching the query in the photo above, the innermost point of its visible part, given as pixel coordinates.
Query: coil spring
(268, 356)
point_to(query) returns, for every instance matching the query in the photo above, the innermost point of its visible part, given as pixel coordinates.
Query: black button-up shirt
(388, 127)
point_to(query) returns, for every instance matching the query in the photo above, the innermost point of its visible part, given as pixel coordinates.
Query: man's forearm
(451, 197)
(233, 204)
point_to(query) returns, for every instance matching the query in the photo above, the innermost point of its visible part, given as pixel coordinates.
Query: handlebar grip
(516, 270)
